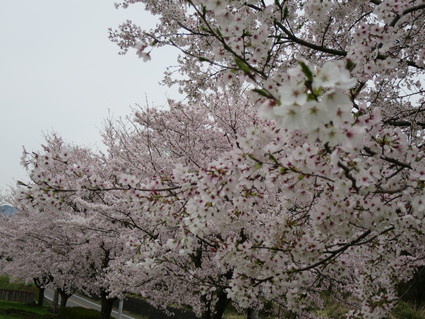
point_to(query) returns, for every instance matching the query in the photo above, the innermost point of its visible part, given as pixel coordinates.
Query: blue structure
(7, 210)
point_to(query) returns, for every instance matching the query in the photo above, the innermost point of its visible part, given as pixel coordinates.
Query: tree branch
(308, 44)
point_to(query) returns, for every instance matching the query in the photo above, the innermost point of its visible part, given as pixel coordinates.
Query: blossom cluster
(294, 168)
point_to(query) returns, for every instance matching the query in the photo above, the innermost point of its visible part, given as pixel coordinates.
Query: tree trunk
(55, 301)
(64, 298)
(40, 297)
(221, 305)
(106, 305)
(41, 283)
(215, 311)
(206, 314)
(252, 313)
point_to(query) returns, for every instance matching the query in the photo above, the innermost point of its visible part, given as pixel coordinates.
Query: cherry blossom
(294, 167)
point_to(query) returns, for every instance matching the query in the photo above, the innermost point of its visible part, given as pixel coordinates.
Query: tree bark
(55, 301)
(40, 297)
(221, 305)
(215, 311)
(64, 298)
(41, 283)
(252, 313)
(206, 314)
(106, 305)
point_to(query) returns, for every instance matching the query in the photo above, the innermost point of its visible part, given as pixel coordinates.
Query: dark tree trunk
(215, 311)
(40, 297)
(206, 314)
(64, 298)
(55, 301)
(106, 305)
(41, 283)
(252, 313)
(221, 305)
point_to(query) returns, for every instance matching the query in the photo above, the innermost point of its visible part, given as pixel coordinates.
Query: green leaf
(294, 169)
(204, 29)
(318, 91)
(242, 65)
(350, 65)
(283, 170)
(311, 97)
(306, 70)
(272, 157)
(262, 92)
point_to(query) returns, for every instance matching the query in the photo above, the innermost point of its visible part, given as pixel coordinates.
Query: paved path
(77, 301)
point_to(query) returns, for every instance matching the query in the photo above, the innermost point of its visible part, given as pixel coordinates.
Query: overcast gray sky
(59, 72)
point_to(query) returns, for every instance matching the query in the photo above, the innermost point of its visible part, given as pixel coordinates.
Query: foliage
(295, 167)
(6, 283)
(412, 291)
(406, 310)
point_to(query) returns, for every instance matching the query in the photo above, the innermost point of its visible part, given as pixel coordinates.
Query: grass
(405, 310)
(234, 316)
(17, 310)
(333, 310)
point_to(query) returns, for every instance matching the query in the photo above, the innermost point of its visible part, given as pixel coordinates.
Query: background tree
(83, 246)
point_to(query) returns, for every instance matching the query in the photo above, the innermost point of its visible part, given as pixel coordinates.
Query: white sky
(59, 72)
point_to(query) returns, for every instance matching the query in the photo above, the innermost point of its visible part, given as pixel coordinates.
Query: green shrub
(78, 312)
(7, 283)
(405, 310)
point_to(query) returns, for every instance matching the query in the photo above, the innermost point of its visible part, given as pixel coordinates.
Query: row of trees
(295, 167)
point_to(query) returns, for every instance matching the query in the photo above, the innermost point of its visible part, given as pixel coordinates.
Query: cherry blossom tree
(148, 148)
(80, 245)
(333, 184)
(188, 135)
(24, 252)
(155, 140)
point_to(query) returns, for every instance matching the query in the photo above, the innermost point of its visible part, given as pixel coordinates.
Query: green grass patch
(405, 310)
(17, 310)
(234, 316)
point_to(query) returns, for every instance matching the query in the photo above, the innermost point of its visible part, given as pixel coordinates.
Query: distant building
(7, 210)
